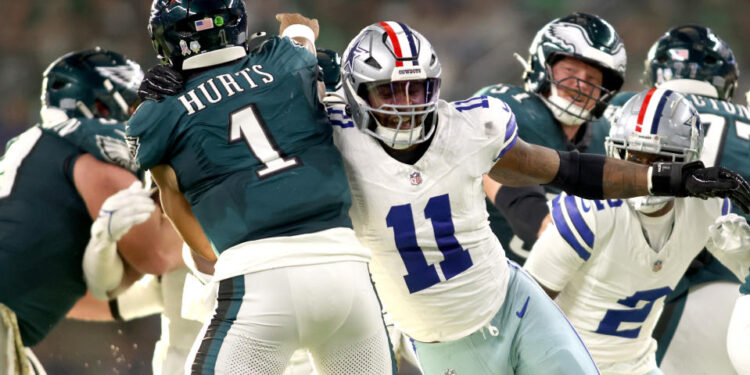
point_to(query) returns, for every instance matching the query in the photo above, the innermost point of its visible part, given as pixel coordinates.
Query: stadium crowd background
(475, 40)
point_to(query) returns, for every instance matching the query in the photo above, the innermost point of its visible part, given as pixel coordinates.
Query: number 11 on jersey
(421, 275)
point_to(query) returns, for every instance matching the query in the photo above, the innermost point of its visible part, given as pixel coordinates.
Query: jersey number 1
(421, 275)
(247, 124)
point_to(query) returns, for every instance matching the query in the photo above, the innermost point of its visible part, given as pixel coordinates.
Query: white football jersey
(612, 283)
(438, 268)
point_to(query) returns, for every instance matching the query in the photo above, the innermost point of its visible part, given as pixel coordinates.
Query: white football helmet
(660, 122)
(391, 79)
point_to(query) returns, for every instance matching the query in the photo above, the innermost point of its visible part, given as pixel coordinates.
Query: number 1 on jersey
(247, 124)
(421, 275)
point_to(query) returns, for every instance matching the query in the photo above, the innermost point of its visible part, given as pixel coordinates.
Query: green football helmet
(91, 83)
(692, 52)
(587, 38)
(190, 34)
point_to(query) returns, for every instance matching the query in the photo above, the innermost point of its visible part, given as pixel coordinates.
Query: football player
(415, 167)
(576, 65)
(181, 313)
(696, 62)
(54, 179)
(611, 263)
(244, 154)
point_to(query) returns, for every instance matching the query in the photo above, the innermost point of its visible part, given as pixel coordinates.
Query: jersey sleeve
(498, 125)
(567, 243)
(284, 50)
(149, 134)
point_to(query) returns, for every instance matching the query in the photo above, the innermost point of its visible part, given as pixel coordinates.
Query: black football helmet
(91, 83)
(692, 52)
(193, 30)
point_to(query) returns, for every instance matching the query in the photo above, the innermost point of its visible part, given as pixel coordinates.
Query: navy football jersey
(251, 146)
(44, 223)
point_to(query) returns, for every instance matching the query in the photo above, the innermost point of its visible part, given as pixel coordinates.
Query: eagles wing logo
(129, 75)
(116, 151)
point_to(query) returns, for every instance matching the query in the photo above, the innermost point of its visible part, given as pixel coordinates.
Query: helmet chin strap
(648, 205)
(400, 139)
(559, 105)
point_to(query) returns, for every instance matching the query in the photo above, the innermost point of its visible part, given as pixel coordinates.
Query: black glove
(159, 81)
(693, 180)
(330, 64)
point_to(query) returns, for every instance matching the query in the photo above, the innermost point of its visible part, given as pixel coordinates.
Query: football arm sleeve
(524, 208)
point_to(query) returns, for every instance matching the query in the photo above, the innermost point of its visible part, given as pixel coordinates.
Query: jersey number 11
(421, 275)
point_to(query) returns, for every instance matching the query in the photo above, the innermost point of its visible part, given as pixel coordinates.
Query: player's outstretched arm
(597, 177)
(304, 31)
(179, 212)
(584, 175)
(300, 28)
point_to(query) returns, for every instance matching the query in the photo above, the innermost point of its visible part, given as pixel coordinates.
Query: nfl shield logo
(657, 266)
(415, 178)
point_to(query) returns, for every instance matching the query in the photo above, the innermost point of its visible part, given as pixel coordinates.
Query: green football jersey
(251, 146)
(536, 125)
(44, 223)
(726, 129)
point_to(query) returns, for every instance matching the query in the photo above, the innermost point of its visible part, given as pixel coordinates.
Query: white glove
(102, 265)
(143, 298)
(730, 233)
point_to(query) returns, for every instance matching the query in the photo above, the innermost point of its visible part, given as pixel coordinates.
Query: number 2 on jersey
(614, 317)
(247, 124)
(421, 275)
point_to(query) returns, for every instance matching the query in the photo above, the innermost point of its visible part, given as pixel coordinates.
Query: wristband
(299, 30)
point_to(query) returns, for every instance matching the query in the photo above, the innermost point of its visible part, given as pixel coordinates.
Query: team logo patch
(450, 372)
(415, 178)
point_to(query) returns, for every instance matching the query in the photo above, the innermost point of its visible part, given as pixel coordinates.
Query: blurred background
(474, 39)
